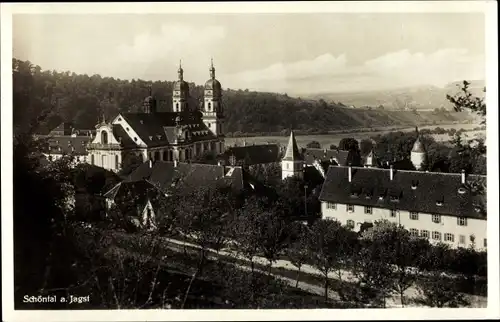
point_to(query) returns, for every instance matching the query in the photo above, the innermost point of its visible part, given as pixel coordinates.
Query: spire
(212, 68)
(292, 151)
(418, 146)
(180, 71)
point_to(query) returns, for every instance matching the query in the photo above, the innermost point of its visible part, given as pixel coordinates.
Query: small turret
(292, 164)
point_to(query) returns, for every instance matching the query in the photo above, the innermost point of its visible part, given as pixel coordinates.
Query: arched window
(209, 106)
(165, 155)
(170, 155)
(157, 155)
(117, 165)
(104, 137)
(186, 136)
(92, 159)
(140, 157)
(177, 106)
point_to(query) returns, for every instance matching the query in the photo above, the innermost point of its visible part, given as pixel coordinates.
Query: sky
(294, 53)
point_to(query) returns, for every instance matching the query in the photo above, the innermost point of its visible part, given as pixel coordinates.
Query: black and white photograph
(173, 161)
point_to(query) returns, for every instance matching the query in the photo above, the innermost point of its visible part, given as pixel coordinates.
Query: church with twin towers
(181, 135)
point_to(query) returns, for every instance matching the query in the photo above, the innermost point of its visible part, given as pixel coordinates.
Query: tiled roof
(125, 140)
(157, 129)
(292, 151)
(165, 176)
(341, 157)
(135, 194)
(75, 145)
(253, 154)
(426, 192)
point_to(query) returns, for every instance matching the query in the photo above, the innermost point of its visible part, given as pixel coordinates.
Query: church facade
(179, 135)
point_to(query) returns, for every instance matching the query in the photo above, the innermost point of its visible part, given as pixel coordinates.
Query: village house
(152, 183)
(443, 207)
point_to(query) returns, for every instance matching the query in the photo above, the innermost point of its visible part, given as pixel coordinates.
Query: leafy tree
(365, 146)
(205, 216)
(437, 291)
(313, 145)
(329, 245)
(349, 144)
(297, 251)
(396, 245)
(465, 100)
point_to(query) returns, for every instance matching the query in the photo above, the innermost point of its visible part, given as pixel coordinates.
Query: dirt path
(391, 302)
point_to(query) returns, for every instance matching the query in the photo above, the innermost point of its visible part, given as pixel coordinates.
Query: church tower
(149, 105)
(371, 160)
(181, 93)
(292, 164)
(418, 154)
(213, 113)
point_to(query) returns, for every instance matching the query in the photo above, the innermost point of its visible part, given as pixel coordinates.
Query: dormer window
(150, 138)
(414, 184)
(439, 203)
(158, 137)
(381, 197)
(461, 190)
(141, 121)
(368, 196)
(394, 199)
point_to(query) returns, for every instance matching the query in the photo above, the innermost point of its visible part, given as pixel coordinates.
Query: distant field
(326, 139)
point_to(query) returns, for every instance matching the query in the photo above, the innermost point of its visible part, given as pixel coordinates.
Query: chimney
(391, 172)
(175, 163)
(350, 172)
(150, 163)
(463, 176)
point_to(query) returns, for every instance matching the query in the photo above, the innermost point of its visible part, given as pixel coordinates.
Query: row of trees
(383, 259)
(82, 99)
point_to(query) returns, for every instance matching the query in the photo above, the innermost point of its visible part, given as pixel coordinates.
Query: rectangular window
(461, 239)
(424, 234)
(436, 219)
(350, 224)
(462, 221)
(331, 205)
(484, 242)
(449, 237)
(436, 235)
(414, 232)
(368, 210)
(393, 213)
(350, 208)
(414, 215)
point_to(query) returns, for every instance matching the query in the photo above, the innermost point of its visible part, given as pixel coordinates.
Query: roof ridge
(410, 171)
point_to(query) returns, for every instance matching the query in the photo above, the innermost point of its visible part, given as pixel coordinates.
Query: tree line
(84, 99)
(383, 258)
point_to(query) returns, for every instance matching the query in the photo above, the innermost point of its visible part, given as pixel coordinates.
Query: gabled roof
(76, 145)
(156, 129)
(292, 151)
(341, 156)
(166, 176)
(426, 192)
(253, 154)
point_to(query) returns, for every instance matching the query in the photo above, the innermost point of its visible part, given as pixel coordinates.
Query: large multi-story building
(443, 207)
(179, 135)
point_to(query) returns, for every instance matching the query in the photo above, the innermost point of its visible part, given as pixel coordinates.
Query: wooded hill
(82, 99)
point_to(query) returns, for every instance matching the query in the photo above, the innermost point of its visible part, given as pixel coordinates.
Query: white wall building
(442, 207)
